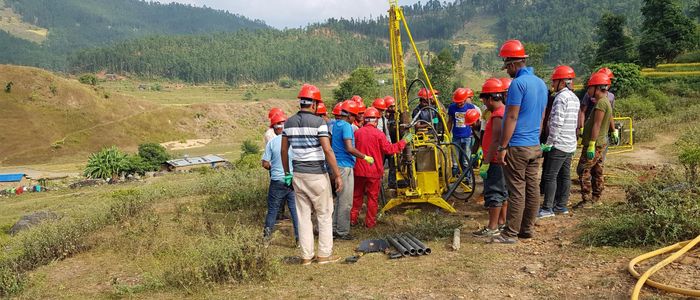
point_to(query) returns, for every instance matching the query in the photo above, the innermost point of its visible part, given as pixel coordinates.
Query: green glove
(483, 171)
(369, 159)
(545, 147)
(580, 131)
(288, 179)
(590, 152)
(408, 137)
(480, 154)
(615, 138)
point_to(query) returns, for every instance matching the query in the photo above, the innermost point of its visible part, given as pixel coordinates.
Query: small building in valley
(13, 180)
(190, 163)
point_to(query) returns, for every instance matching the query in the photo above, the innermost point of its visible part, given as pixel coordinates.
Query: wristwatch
(500, 148)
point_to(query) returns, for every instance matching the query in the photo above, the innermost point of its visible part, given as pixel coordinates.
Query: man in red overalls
(368, 178)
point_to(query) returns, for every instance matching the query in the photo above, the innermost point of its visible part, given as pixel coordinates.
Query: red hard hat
(599, 79)
(425, 94)
(380, 104)
(309, 91)
(276, 118)
(462, 94)
(506, 82)
(321, 109)
(512, 49)
(361, 106)
(337, 108)
(372, 113)
(607, 71)
(563, 72)
(350, 107)
(273, 111)
(493, 86)
(471, 116)
(389, 101)
(357, 99)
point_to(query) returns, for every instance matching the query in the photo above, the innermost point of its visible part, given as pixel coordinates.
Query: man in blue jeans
(279, 193)
(461, 130)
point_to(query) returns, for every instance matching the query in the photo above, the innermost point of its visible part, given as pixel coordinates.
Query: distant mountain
(77, 24)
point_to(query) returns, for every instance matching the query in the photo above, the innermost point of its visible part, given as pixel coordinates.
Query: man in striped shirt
(308, 136)
(560, 144)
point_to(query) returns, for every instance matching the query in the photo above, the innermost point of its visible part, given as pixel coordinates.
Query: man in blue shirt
(519, 149)
(278, 193)
(343, 144)
(460, 128)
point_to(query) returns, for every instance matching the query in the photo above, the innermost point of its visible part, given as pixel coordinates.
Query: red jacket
(372, 142)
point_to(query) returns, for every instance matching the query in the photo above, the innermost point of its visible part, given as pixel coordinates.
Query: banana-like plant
(107, 163)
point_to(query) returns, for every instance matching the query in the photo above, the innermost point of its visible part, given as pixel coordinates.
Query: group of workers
(325, 167)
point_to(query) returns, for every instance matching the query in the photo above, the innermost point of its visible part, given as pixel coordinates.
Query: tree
(361, 82)
(537, 52)
(153, 155)
(442, 71)
(666, 32)
(614, 46)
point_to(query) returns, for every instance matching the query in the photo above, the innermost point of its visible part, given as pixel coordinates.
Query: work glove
(545, 147)
(590, 152)
(408, 137)
(615, 137)
(580, 131)
(483, 171)
(288, 179)
(369, 159)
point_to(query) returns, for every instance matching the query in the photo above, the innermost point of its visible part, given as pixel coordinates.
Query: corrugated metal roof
(200, 160)
(11, 177)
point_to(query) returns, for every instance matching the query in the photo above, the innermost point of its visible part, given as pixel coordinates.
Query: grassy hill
(69, 25)
(51, 119)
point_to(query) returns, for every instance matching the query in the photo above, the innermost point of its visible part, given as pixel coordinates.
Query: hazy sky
(295, 13)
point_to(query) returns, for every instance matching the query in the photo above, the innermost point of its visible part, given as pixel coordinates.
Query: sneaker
(344, 237)
(328, 259)
(500, 239)
(501, 227)
(525, 236)
(563, 211)
(306, 262)
(545, 213)
(486, 232)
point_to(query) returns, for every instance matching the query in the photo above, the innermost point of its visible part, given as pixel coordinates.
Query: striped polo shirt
(304, 131)
(563, 121)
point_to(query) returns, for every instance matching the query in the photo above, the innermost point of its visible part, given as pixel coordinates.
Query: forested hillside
(244, 56)
(76, 24)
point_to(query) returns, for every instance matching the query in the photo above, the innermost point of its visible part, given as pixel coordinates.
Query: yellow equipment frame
(628, 147)
(427, 185)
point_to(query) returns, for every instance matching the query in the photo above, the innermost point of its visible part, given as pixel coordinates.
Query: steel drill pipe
(419, 243)
(398, 246)
(412, 250)
(419, 250)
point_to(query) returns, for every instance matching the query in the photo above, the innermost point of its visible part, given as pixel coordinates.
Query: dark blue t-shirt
(342, 131)
(530, 93)
(459, 128)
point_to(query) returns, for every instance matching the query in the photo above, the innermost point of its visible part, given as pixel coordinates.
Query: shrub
(156, 87)
(136, 165)
(107, 163)
(689, 153)
(8, 87)
(237, 256)
(286, 83)
(249, 147)
(636, 106)
(430, 225)
(154, 155)
(90, 79)
(663, 211)
(690, 57)
(628, 78)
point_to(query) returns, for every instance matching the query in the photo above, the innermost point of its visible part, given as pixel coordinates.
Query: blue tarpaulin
(11, 177)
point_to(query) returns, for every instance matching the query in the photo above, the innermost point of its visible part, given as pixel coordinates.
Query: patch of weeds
(662, 211)
(236, 256)
(430, 225)
(121, 290)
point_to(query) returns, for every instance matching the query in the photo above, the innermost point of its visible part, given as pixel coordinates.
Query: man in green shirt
(594, 141)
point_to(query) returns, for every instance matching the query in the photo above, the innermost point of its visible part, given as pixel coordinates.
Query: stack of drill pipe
(419, 250)
(412, 250)
(426, 250)
(398, 246)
